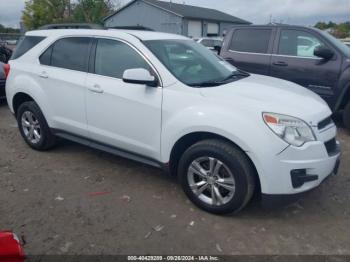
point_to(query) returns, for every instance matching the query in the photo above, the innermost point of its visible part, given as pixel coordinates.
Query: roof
(189, 11)
(140, 34)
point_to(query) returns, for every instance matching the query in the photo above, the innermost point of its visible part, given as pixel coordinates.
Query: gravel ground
(76, 200)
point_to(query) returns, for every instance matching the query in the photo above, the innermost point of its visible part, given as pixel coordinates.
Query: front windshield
(340, 45)
(190, 62)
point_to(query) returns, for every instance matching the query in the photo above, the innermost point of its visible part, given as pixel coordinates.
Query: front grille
(331, 147)
(324, 123)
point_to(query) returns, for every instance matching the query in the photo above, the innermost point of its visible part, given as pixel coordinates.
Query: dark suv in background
(307, 56)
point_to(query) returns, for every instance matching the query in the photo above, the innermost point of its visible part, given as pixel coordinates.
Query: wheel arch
(187, 140)
(18, 99)
(344, 98)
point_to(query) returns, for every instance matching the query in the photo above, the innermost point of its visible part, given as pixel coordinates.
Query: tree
(321, 25)
(92, 11)
(40, 12)
(341, 30)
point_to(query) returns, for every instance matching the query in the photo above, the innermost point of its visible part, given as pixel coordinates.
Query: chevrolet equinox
(167, 101)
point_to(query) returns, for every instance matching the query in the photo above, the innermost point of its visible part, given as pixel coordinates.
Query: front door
(123, 115)
(295, 61)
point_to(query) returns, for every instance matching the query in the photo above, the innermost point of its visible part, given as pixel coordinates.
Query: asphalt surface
(77, 200)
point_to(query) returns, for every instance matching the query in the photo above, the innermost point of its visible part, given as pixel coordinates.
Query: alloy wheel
(211, 181)
(31, 127)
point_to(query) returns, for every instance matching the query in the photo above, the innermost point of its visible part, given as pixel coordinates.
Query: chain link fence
(9, 40)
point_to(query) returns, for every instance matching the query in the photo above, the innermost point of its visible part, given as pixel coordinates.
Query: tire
(34, 128)
(233, 166)
(346, 116)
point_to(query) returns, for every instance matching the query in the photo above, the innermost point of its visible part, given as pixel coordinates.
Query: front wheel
(346, 116)
(217, 176)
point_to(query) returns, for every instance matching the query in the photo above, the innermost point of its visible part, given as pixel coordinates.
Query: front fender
(343, 88)
(245, 129)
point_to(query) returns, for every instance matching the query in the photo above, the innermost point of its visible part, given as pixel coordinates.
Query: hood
(268, 94)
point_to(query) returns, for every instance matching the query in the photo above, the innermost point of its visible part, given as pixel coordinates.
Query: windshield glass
(340, 45)
(190, 62)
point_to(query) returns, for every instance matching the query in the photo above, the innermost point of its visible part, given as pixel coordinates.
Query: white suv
(167, 101)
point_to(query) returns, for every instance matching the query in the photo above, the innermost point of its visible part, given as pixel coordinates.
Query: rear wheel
(33, 127)
(217, 176)
(346, 116)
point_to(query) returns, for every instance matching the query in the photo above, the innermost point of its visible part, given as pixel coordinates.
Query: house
(191, 21)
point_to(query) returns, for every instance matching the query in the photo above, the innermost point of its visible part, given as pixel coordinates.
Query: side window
(114, 57)
(45, 58)
(25, 44)
(71, 53)
(298, 43)
(251, 40)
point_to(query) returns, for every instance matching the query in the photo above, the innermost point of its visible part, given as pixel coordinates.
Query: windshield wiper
(234, 75)
(206, 84)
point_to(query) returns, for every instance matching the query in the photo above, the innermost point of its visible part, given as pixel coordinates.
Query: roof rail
(71, 26)
(136, 27)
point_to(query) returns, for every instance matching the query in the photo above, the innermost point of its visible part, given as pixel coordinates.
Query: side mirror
(323, 52)
(217, 48)
(139, 76)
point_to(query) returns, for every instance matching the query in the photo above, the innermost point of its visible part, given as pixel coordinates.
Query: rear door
(250, 48)
(62, 75)
(294, 60)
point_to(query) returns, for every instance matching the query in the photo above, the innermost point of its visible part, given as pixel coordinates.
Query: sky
(301, 12)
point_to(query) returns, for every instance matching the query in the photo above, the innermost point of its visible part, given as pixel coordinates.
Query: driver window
(298, 43)
(114, 57)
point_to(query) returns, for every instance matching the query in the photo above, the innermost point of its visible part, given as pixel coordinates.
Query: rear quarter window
(69, 53)
(25, 44)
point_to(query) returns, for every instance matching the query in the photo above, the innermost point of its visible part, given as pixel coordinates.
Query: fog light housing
(299, 177)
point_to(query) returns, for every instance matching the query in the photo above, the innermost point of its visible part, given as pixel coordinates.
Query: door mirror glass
(324, 52)
(139, 76)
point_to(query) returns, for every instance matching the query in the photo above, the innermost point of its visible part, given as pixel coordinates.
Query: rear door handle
(96, 89)
(280, 63)
(43, 74)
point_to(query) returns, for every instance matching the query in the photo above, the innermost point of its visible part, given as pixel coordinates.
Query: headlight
(292, 130)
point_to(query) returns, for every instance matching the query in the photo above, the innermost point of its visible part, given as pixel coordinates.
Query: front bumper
(296, 170)
(313, 161)
(277, 200)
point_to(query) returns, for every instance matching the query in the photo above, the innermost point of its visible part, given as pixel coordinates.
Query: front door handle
(96, 89)
(43, 74)
(280, 63)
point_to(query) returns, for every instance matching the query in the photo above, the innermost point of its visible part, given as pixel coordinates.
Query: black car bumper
(2, 88)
